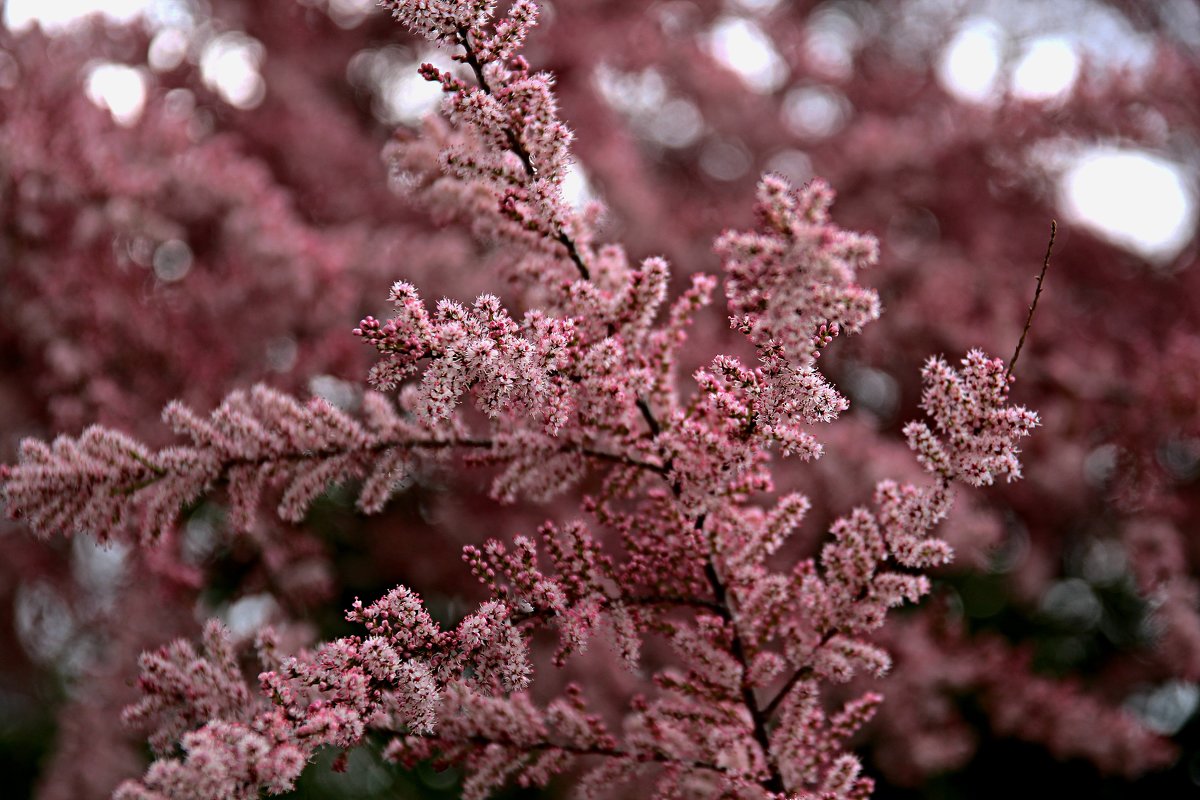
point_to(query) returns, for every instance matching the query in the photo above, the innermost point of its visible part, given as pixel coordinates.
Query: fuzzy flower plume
(578, 597)
(502, 162)
(791, 290)
(233, 746)
(508, 366)
(976, 430)
(109, 485)
(793, 280)
(182, 689)
(524, 742)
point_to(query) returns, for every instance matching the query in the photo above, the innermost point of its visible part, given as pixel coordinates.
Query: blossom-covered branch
(511, 148)
(327, 697)
(109, 485)
(682, 543)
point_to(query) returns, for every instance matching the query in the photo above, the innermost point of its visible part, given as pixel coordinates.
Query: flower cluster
(105, 483)
(969, 410)
(793, 281)
(502, 164)
(508, 366)
(393, 678)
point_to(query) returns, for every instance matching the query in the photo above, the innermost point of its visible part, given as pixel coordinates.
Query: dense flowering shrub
(678, 626)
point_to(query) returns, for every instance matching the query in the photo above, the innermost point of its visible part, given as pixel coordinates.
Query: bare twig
(1012, 362)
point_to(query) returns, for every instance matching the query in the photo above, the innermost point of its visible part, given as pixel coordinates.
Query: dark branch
(1012, 362)
(758, 718)
(724, 609)
(648, 415)
(157, 473)
(641, 756)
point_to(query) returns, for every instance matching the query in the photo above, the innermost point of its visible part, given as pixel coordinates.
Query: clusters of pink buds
(793, 280)
(108, 484)
(508, 366)
(502, 167)
(394, 677)
(978, 429)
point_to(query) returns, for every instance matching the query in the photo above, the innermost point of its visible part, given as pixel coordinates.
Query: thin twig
(639, 756)
(802, 674)
(1038, 293)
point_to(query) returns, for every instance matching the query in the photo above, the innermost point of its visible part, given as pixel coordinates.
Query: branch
(471, 58)
(802, 674)
(649, 601)
(1012, 362)
(103, 478)
(655, 756)
(723, 608)
(758, 718)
